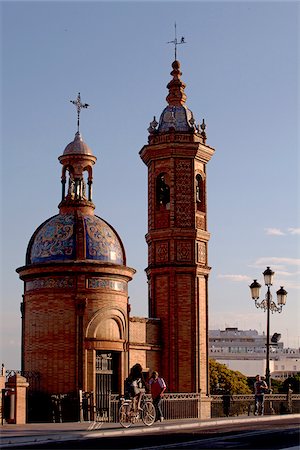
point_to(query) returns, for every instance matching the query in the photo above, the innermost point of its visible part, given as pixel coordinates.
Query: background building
(245, 351)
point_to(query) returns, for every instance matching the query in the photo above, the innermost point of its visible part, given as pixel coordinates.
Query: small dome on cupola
(77, 146)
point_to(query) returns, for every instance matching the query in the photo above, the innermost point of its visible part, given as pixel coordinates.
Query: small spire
(153, 125)
(175, 42)
(176, 96)
(203, 128)
(79, 106)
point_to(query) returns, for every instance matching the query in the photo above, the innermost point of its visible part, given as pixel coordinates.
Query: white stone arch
(108, 324)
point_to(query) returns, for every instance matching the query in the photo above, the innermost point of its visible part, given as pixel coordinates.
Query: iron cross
(79, 106)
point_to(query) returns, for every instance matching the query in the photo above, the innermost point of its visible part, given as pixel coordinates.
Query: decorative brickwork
(200, 222)
(184, 251)
(183, 193)
(162, 218)
(201, 257)
(161, 252)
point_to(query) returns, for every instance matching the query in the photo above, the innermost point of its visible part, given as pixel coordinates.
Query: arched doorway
(106, 357)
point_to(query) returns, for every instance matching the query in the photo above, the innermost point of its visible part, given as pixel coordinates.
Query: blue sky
(240, 66)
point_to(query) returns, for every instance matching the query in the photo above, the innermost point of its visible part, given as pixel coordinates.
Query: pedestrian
(135, 386)
(260, 388)
(158, 387)
(227, 397)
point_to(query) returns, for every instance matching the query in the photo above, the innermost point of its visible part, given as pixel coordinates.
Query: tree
(292, 383)
(223, 379)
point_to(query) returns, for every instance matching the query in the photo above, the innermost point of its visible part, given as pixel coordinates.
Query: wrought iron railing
(32, 377)
(237, 405)
(174, 406)
(180, 406)
(68, 407)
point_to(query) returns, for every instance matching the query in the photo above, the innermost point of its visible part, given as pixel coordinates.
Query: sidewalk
(13, 435)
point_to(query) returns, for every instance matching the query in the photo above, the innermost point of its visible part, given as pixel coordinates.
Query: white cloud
(274, 260)
(236, 278)
(284, 273)
(294, 230)
(279, 232)
(286, 270)
(274, 232)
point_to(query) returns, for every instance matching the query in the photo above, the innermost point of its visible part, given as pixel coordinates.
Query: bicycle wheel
(148, 413)
(124, 415)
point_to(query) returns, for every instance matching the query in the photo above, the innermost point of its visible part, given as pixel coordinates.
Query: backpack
(127, 388)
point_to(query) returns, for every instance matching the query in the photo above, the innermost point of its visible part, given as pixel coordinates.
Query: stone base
(205, 408)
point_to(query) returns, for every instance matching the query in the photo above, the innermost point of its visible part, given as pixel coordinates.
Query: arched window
(200, 193)
(162, 191)
(71, 184)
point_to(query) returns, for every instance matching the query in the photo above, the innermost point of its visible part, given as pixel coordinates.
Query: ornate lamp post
(268, 305)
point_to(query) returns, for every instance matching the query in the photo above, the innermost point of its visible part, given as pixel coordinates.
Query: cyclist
(135, 386)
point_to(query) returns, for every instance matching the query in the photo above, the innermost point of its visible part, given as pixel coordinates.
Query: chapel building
(77, 332)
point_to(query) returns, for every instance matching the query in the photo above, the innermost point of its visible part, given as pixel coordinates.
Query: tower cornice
(177, 233)
(161, 269)
(191, 150)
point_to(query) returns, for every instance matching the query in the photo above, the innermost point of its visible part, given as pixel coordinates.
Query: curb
(94, 432)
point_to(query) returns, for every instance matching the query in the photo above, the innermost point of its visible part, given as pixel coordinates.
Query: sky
(240, 67)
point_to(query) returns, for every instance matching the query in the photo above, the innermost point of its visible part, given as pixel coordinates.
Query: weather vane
(79, 106)
(175, 42)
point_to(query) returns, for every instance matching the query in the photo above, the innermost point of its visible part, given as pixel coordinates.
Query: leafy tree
(292, 383)
(223, 379)
(276, 386)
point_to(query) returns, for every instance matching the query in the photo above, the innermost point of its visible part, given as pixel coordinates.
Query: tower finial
(79, 106)
(175, 42)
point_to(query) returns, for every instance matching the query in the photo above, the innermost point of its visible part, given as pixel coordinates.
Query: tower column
(177, 238)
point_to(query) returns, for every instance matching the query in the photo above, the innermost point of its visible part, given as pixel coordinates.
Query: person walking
(158, 387)
(227, 398)
(260, 388)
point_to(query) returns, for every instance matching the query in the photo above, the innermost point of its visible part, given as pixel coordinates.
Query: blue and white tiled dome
(178, 117)
(56, 240)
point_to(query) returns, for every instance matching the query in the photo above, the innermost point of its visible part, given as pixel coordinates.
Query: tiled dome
(56, 240)
(178, 117)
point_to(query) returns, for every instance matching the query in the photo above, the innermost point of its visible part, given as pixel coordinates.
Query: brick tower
(177, 238)
(75, 303)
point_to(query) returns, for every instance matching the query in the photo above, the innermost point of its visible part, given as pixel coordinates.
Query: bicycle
(128, 416)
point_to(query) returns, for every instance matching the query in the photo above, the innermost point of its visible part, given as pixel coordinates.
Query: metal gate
(104, 379)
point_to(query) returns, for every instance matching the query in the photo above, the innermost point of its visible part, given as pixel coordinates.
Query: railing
(187, 406)
(32, 377)
(237, 405)
(174, 406)
(177, 406)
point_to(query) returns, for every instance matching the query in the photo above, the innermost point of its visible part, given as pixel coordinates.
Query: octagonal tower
(177, 238)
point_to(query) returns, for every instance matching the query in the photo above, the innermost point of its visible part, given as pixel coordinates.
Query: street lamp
(268, 305)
